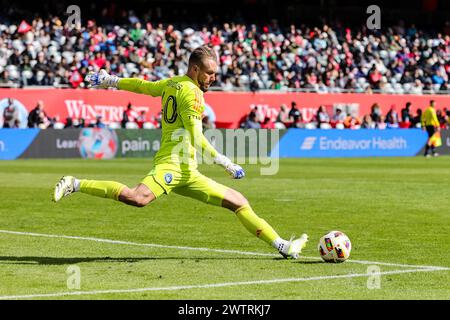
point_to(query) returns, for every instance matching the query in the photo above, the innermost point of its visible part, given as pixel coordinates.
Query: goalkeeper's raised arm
(103, 80)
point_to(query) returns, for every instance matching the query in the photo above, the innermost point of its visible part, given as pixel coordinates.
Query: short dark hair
(431, 101)
(200, 54)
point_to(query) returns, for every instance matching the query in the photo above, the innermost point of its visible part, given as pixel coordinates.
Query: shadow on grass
(300, 261)
(75, 260)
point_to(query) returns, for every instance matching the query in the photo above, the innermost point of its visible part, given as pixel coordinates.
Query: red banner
(227, 108)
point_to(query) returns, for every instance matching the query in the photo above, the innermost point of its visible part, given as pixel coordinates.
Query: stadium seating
(329, 59)
(114, 125)
(148, 125)
(131, 125)
(310, 125)
(325, 126)
(58, 125)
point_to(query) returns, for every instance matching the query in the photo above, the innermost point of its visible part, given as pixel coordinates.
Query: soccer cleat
(295, 247)
(64, 187)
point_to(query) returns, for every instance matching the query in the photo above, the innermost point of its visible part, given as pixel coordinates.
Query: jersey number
(171, 103)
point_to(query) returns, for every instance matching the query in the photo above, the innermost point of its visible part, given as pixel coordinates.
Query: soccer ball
(335, 246)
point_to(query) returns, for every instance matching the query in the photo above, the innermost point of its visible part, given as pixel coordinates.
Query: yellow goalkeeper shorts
(165, 178)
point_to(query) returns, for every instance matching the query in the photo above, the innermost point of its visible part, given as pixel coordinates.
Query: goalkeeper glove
(234, 170)
(101, 80)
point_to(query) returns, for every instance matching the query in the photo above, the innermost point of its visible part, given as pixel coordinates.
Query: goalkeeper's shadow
(30, 260)
(300, 261)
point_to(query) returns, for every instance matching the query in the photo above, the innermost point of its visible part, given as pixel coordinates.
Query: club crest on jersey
(168, 178)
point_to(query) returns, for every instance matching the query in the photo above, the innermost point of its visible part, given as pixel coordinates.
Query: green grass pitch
(395, 211)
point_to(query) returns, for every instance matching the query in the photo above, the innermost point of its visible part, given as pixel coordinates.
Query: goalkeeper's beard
(202, 85)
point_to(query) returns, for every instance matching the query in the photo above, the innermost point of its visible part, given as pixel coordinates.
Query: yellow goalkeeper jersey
(182, 106)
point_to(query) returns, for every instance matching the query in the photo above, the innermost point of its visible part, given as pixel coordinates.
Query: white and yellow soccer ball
(335, 246)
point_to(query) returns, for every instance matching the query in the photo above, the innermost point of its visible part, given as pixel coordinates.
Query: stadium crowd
(399, 59)
(39, 118)
(327, 118)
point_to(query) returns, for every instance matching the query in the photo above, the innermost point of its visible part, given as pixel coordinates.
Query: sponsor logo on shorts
(168, 178)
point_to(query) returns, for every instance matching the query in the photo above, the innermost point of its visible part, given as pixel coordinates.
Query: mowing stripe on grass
(213, 285)
(154, 245)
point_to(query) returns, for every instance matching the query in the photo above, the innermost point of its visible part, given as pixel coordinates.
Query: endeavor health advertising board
(300, 143)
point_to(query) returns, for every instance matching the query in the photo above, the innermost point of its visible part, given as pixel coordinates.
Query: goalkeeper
(175, 164)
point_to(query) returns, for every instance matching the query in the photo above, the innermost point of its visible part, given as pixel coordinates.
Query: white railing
(240, 89)
(339, 91)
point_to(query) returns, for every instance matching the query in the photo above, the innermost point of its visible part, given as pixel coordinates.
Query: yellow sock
(256, 226)
(103, 189)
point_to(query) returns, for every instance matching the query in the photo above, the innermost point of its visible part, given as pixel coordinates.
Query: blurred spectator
(16, 124)
(254, 85)
(44, 121)
(406, 113)
(129, 115)
(446, 114)
(368, 122)
(352, 122)
(207, 123)
(251, 122)
(442, 118)
(417, 119)
(99, 123)
(283, 115)
(75, 78)
(79, 123)
(267, 124)
(322, 116)
(141, 119)
(259, 113)
(10, 115)
(417, 88)
(391, 124)
(381, 124)
(392, 118)
(227, 85)
(6, 79)
(37, 115)
(158, 119)
(69, 123)
(375, 113)
(339, 116)
(295, 116)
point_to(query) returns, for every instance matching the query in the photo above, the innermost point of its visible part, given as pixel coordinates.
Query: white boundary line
(212, 285)
(153, 245)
